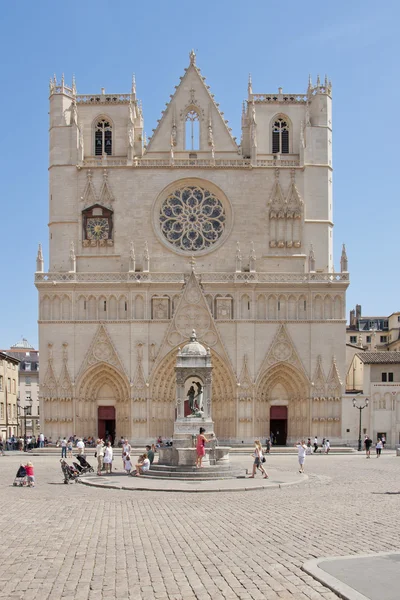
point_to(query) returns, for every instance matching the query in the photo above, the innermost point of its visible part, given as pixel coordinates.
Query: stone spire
(72, 258)
(132, 259)
(311, 260)
(249, 86)
(39, 260)
(192, 57)
(252, 258)
(238, 259)
(146, 258)
(73, 88)
(133, 89)
(344, 263)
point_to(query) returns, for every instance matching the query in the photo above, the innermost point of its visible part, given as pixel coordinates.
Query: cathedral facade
(150, 239)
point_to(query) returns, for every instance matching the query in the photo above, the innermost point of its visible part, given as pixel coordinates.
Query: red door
(278, 424)
(106, 422)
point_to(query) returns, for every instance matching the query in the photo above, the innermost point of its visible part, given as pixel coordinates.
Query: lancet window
(192, 130)
(280, 136)
(103, 138)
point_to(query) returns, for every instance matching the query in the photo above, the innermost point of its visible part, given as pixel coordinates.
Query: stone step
(190, 468)
(194, 476)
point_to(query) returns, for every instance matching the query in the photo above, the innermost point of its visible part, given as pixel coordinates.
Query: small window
(353, 339)
(280, 137)
(383, 339)
(27, 366)
(384, 377)
(368, 339)
(390, 376)
(27, 381)
(192, 130)
(305, 305)
(84, 305)
(398, 318)
(103, 138)
(9, 385)
(105, 305)
(126, 306)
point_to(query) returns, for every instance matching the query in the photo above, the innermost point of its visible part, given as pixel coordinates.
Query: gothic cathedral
(150, 239)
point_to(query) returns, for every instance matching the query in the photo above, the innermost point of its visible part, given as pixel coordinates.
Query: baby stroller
(20, 478)
(70, 473)
(85, 466)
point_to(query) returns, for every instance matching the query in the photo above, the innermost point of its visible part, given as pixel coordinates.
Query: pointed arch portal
(102, 404)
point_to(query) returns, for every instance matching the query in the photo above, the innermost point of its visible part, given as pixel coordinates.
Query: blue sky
(356, 43)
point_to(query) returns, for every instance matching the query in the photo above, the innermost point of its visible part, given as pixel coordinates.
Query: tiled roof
(382, 358)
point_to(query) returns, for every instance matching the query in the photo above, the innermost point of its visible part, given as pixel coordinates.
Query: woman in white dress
(108, 457)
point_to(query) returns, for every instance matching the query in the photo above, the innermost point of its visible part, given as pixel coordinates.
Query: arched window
(192, 130)
(280, 136)
(103, 138)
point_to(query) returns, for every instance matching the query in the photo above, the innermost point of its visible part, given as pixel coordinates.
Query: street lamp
(360, 408)
(26, 410)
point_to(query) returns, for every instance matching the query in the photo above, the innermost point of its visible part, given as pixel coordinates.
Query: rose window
(192, 218)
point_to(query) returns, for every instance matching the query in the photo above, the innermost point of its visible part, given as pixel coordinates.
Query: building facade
(28, 388)
(376, 376)
(191, 230)
(8, 396)
(373, 334)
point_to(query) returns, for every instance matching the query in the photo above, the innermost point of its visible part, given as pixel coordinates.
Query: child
(127, 464)
(30, 474)
(69, 448)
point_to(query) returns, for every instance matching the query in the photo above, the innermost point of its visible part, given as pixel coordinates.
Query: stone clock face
(192, 219)
(97, 228)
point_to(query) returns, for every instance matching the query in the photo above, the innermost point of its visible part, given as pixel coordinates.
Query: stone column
(180, 395)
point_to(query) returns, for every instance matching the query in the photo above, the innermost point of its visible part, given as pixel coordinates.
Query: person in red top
(30, 474)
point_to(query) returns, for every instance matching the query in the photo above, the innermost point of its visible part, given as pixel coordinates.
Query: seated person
(143, 465)
(150, 454)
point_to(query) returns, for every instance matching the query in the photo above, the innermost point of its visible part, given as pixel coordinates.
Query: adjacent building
(376, 376)
(374, 333)
(28, 389)
(8, 396)
(191, 229)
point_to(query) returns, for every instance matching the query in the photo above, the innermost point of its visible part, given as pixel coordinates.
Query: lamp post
(26, 410)
(360, 408)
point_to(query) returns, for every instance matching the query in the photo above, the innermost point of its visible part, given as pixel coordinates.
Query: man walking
(41, 440)
(315, 444)
(64, 448)
(367, 445)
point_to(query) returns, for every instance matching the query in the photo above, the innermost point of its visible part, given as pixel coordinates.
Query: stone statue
(199, 396)
(191, 394)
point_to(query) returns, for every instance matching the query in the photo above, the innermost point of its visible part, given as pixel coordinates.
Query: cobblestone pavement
(76, 543)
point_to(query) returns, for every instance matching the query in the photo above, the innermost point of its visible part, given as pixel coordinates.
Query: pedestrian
(30, 474)
(64, 448)
(108, 457)
(150, 454)
(99, 454)
(128, 464)
(327, 446)
(309, 446)
(268, 446)
(301, 453)
(126, 449)
(383, 440)
(81, 446)
(200, 447)
(69, 448)
(142, 466)
(258, 460)
(367, 445)
(315, 444)
(21, 443)
(378, 447)
(41, 440)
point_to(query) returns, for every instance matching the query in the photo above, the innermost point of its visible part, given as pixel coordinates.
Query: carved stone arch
(318, 308)
(261, 307)
(245, 306)
(272, 307)
(337, 307)
(302, 307)
(122, 307)
(102, 307)
(328, 307)
(45, 308)
(282, 384)
(65, 307)
(282, 307)
(82, 307)
(91, 308)
(163, 401)
(112, 312)
(56, 308)
(292, 308)
(89, 387)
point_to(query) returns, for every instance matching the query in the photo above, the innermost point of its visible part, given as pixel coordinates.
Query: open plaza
(79, 542)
